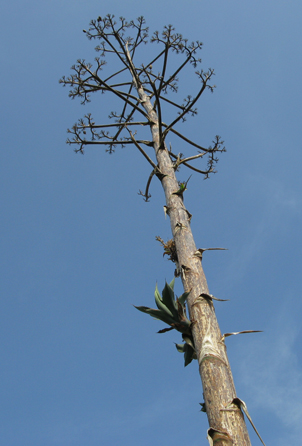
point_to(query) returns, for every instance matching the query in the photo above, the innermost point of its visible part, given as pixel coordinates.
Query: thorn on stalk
(200, 251)
(215, 436)
(159, 174)
(225, 335)
(161, 146)
(185, 269)
(211, 297)
(177, 271)
(189, 216)
(242, 406)
(167, 210)
(179, 226)
(208, 297)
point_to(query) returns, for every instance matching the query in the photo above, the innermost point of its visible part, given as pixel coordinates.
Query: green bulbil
(182, 188)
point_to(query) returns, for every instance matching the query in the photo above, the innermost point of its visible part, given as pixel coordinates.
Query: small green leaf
(180, 347)
(168, 298)
(182, 317)
(157, 314)
(160, 304)
(182, 299)
(157, 292)
(189, 341)
(171, 284)
(189, 354)
(164, 330)
(203, 407)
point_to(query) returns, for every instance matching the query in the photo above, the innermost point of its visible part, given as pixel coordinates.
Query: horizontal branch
(186, 139)
(185, 160)
(121, 124)
(185, 163)
(113, 142)
(120, 84)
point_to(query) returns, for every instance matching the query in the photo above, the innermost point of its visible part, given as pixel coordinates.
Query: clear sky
(79, 365)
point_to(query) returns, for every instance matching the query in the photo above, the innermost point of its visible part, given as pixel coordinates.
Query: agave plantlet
(172, 311)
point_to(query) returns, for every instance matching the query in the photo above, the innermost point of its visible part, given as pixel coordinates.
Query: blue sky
(79, 365)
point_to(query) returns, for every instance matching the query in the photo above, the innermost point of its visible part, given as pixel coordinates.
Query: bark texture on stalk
(226, 421)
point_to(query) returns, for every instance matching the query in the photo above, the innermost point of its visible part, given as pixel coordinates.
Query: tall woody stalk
(143, 91)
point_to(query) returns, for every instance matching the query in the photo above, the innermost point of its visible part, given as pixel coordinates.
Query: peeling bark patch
(209, 349)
